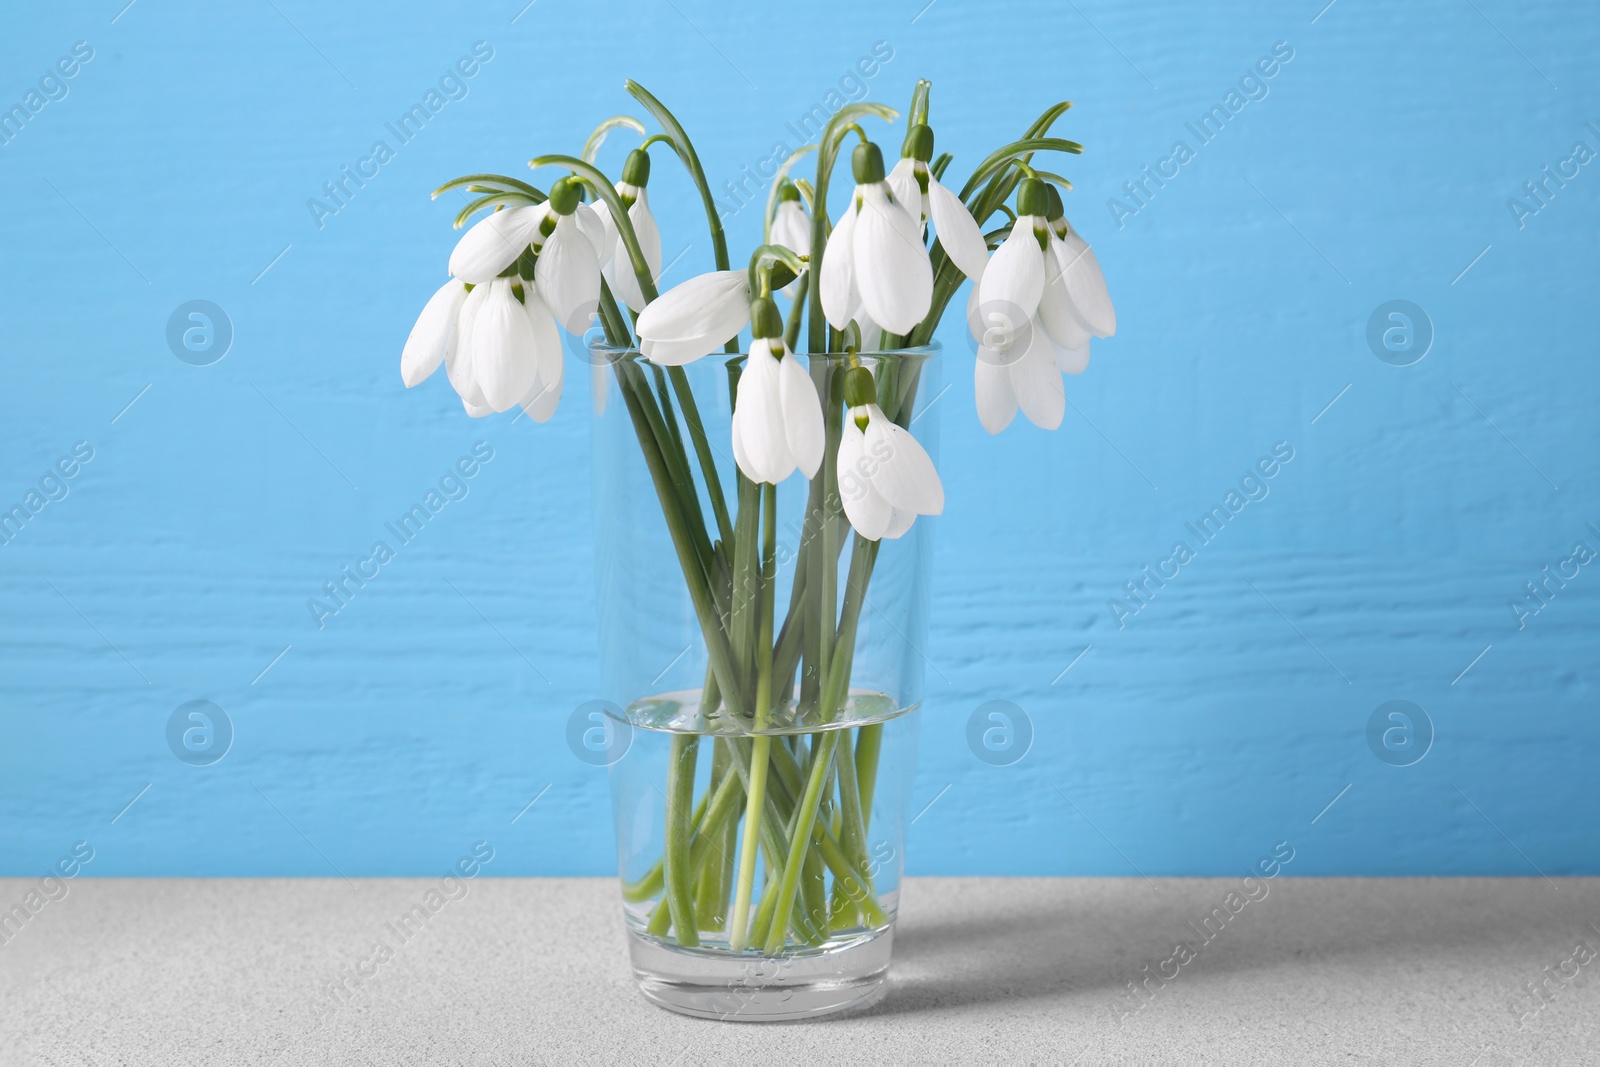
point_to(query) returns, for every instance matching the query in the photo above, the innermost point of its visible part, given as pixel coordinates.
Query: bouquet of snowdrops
(812, 391)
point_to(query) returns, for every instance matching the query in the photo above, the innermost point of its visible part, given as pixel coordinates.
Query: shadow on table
(1044, 947)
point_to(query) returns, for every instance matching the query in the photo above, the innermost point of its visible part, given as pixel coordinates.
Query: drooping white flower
(1075, 275)
(615, 264)
(695, 318)
(514, 351)
(915, 187)
(563, 234)
(777, 418)
(886, 478)
(791, 228)
(875, 262)
(1027, 376)
(567, 271)
(495, 241)
(433, 335)
(1033, 313)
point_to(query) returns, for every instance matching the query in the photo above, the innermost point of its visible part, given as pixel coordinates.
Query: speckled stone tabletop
(1455, 971)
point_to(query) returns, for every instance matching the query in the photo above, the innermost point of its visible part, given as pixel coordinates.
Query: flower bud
(1031, 197)
(1054, 209)
(765, 320)
(859, 388)
(867, 163)
(564, 196)
(636, 171)
(919, 143)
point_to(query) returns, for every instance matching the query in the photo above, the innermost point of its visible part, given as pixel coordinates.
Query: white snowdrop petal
(1037, 382)
(1086, 285)
(791, 228)
(477, 411)
(1056, 312)
(902, 179)
(540, 401)
(900, 521)
(1073, 360)
(739, 455)
(958, 233)
(1011, 285)
(494, 243)
(991, 385)
(425, 346)
(503, 348)
(677, 353)
(591, 221)
(892, 268)
(695, 317)
(904, 474)
(837, 276)
(458, 360)
(869, 513)
(568, 276)
(760, 413)
(802, 415)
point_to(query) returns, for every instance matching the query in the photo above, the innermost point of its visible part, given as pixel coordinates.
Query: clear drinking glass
(846, 620)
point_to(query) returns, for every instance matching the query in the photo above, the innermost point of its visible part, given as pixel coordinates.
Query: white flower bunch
(871, 278)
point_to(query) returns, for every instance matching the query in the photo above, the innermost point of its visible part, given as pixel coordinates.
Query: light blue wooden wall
(1379, 163)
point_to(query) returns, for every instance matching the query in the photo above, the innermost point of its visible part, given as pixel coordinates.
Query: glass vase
(761, 671)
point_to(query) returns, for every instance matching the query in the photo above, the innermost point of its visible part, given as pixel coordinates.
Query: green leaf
(501, 180)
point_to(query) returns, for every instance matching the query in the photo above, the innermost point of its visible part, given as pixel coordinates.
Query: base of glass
(714, 983)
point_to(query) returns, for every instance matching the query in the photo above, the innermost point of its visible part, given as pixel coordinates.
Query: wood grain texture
(1222, 716)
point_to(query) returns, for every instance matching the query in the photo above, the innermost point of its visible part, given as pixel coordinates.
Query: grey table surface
(987, 970)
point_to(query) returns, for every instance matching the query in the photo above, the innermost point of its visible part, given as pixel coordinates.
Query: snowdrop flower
(875, 262)
(433, 335)
(615, 265)
(885, 477)
(695, 318)
(916, 187)
(791, 226)
(1073, 276)
(777, 418)
(498, 345)
(1024, 313)
(562, 234)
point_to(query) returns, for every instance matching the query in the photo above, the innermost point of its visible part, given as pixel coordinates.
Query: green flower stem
(717, 647)
(678, 871)
(679, 139)
(755, 806)
(869, 743)
(854, 837)
(709, 909)
(799, 842)
(702, 448)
